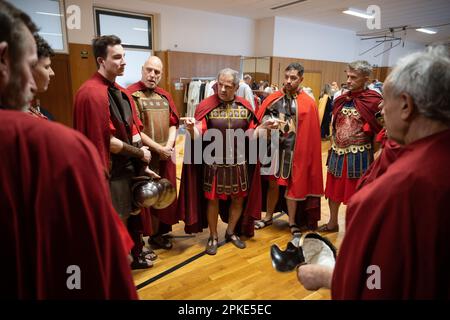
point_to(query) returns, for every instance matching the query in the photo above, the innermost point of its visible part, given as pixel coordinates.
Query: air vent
(286, 5)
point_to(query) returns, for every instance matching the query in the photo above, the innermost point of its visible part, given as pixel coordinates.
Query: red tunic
(400, 223)
(56, 212)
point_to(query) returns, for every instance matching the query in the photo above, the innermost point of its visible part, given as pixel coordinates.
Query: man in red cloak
(298, 159)
(60, 237)
(397, 241)
(227, 176)
(106, 114)
(354, 126)
(159, 115)
(42, 73)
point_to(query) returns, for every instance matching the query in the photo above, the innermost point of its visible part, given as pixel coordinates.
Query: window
(134, 30)
(49, 17)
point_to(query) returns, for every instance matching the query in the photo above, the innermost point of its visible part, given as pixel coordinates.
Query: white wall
(264, 38)
(297, 39)
(387, 59)
(183, 29)
(399, 52)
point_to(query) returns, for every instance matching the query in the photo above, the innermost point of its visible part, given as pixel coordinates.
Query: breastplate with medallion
(154, 112)
(231, 120)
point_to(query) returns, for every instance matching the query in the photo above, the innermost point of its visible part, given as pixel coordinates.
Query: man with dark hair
(298, 162)
(42, 73)
(59, 235)
(106, 114)
(354, 127)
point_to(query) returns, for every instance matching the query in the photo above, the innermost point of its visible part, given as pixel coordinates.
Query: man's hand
(314, 276)
(165, 152)
(271, 124)
(189, 123)
(151, 173)
(147, 155)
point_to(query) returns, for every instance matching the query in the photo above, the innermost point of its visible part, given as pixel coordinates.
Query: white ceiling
(394, 13)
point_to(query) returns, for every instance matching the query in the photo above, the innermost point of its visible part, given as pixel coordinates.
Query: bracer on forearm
(129, 150)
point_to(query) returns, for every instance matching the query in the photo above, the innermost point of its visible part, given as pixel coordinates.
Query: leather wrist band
(129, 150)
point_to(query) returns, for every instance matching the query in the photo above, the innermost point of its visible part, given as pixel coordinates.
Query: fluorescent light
(141, 29)
(50, 34)
(49, 14)
(358, 13)
(424, 30)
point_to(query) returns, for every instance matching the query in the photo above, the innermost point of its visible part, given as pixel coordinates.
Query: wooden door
(314, 81)
(58, 98)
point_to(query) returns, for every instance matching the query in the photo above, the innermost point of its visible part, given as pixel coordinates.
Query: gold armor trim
(351, 149)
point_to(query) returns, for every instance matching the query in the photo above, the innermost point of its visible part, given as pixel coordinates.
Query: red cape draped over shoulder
(400, 227)
(91, 113)
(140, 86)
(366, 103)
(306, 177)
(56, 212)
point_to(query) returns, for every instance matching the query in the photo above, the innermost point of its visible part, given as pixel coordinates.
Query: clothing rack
(197, 78)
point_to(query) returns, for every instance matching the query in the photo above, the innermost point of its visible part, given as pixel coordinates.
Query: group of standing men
(131, 132)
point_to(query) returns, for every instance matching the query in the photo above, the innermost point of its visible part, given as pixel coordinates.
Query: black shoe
(235, 240)
(160, 242)
(140, 262)
(287, 260)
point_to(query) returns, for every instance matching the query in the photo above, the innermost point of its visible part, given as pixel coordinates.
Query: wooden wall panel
(380, 73)
(82, 66)
(330, 71)
(180, 64)
(58, 98)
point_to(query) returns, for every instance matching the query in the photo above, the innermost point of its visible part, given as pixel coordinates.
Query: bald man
(158, 113)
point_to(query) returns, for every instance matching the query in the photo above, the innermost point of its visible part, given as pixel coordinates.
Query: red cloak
(366, 103)
(192, 185)
(400, 224)
(390, 152)
(56, 212)
(91, 113)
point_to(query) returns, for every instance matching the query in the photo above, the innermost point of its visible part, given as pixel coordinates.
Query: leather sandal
(140, 262)
(149, 254)
(324, 228)
(295, 230)
(211, 246)
(233, 238)
(261, 224)
(160, 242)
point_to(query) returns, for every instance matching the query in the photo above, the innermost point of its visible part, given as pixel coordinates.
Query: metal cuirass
(154, 112)
(284, 109)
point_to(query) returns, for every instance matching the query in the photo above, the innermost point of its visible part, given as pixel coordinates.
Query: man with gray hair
(397, 242)
(354, 126)
(228, 179)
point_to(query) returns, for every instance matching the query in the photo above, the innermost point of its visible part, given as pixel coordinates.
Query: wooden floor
(232, 273)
